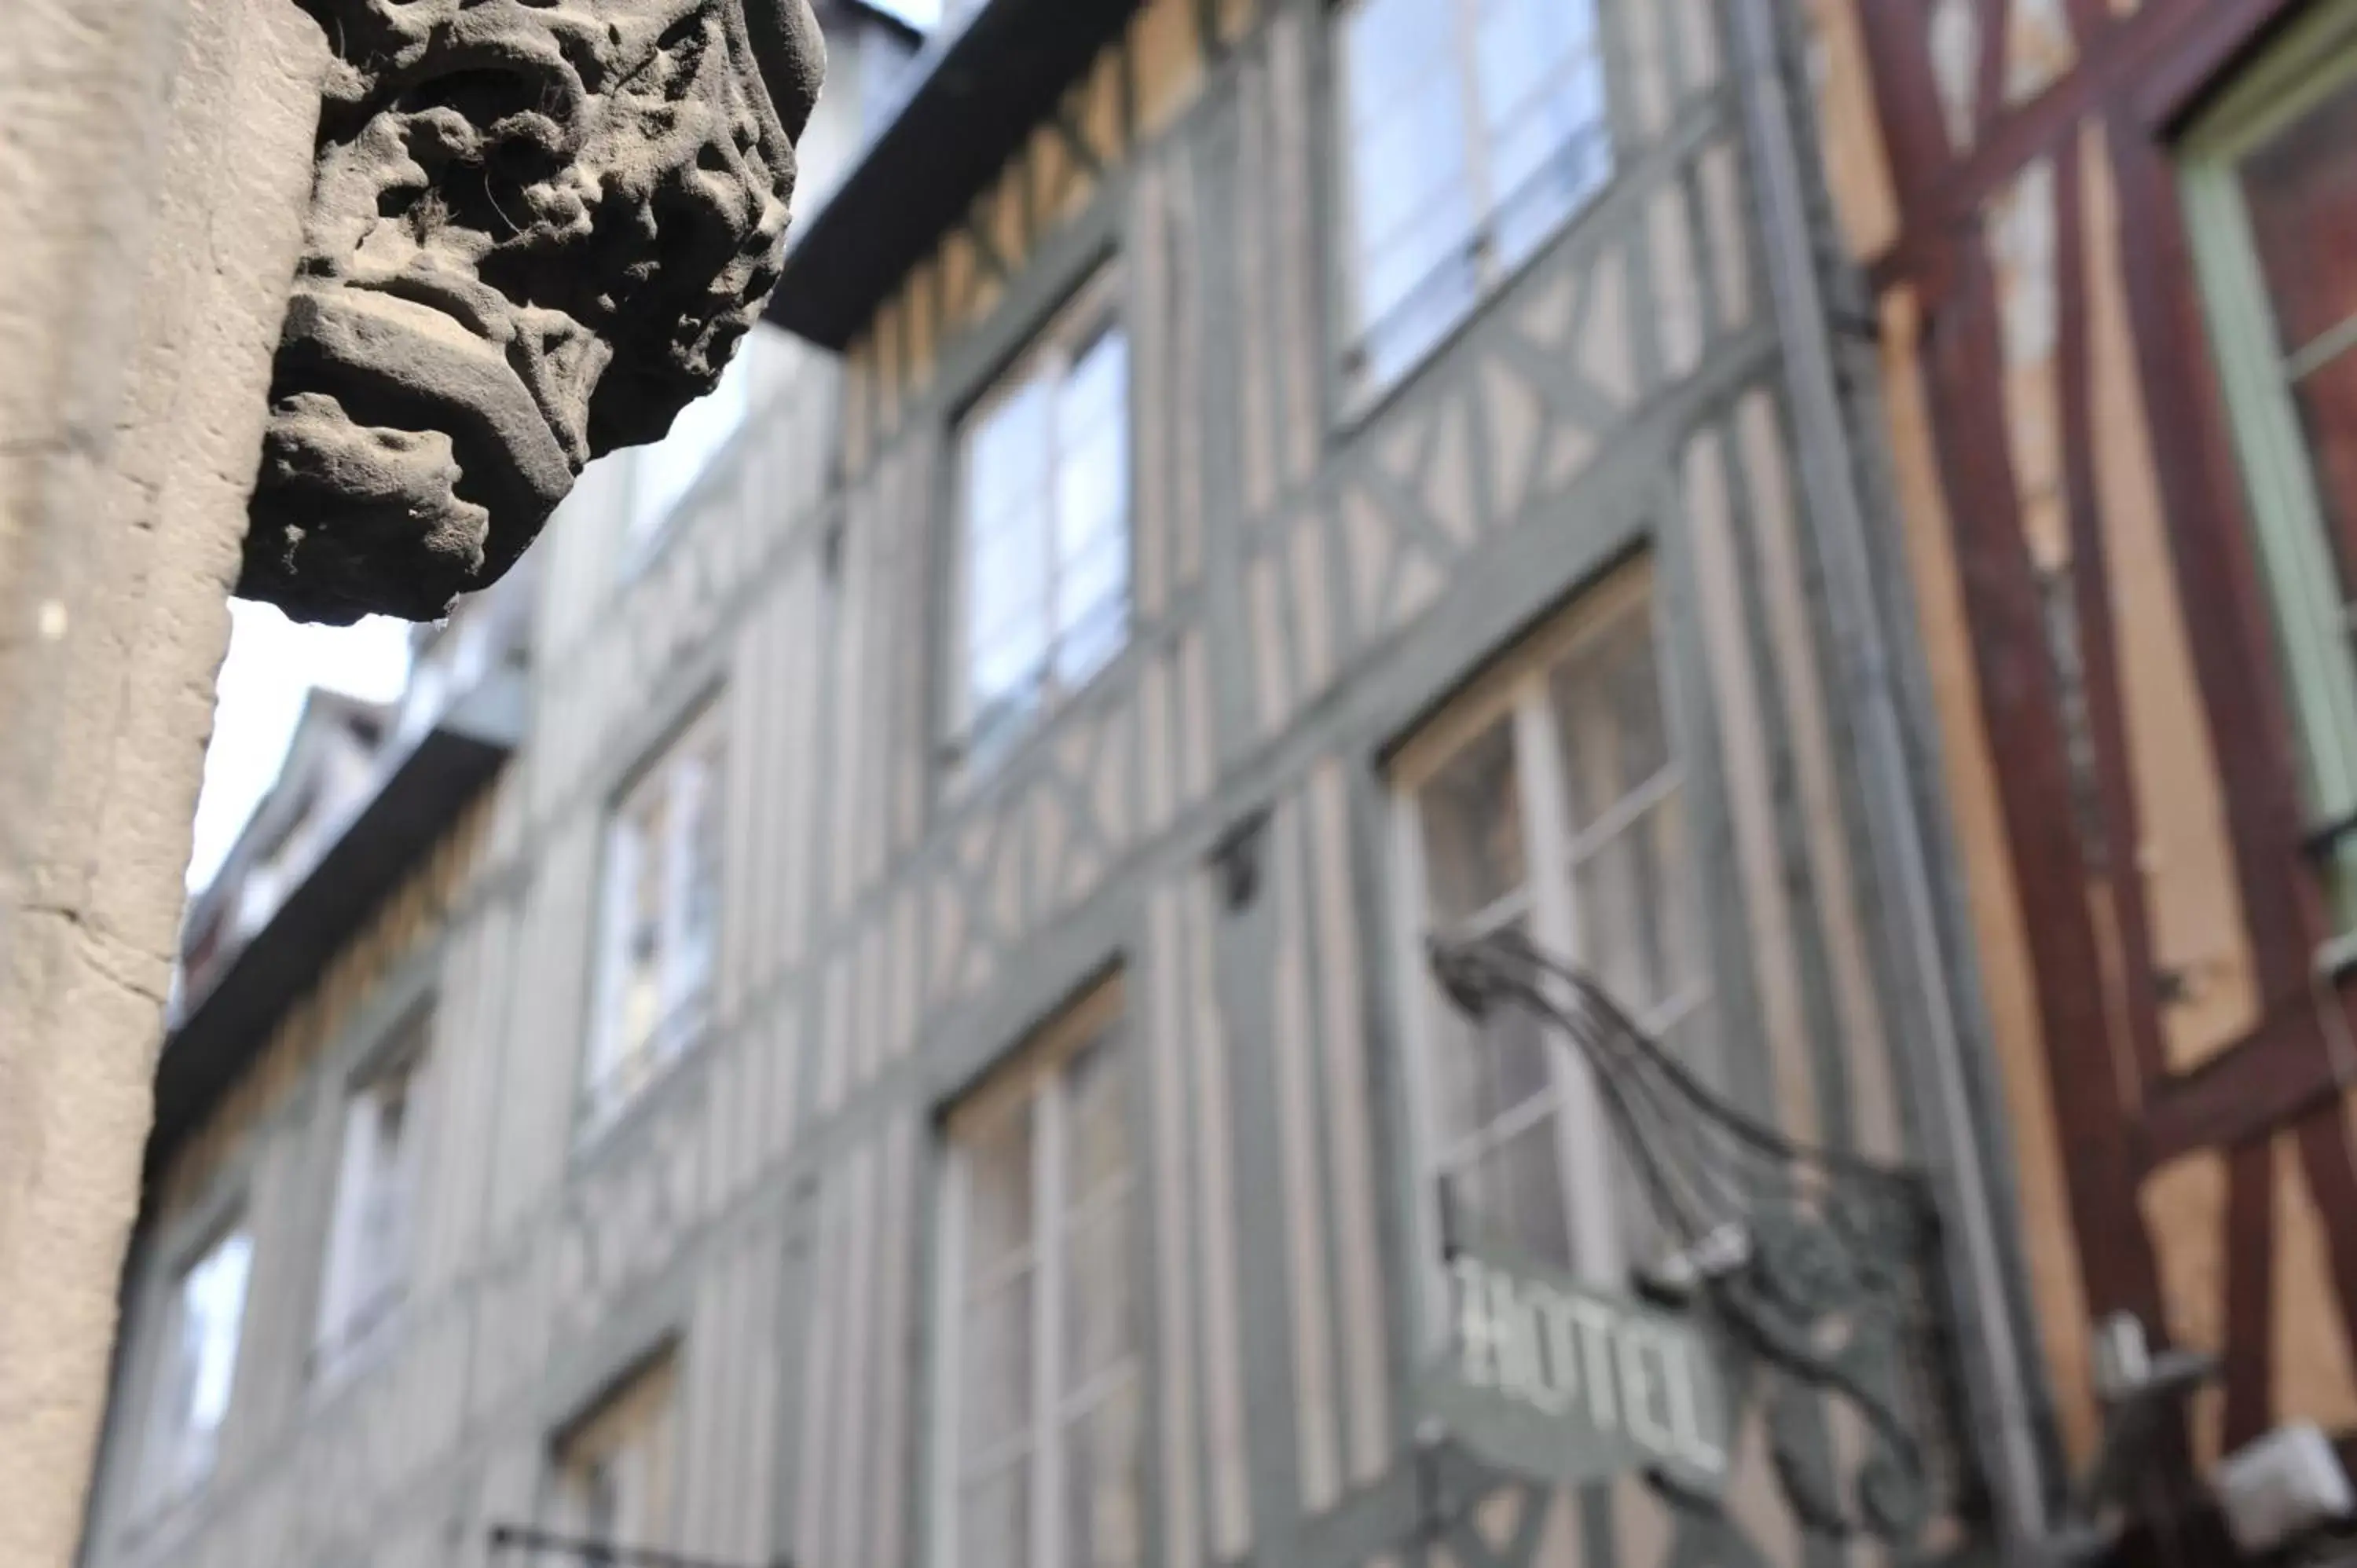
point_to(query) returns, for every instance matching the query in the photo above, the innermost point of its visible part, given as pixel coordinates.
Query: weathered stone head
(537, 231)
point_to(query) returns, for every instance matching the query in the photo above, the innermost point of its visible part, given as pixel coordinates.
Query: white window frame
(359, 1297)
(169, 1470)
(2315, 58)
(1362, 382)
(1094, 311)
(686, 972)
(1034, 1076)
(1517, 686)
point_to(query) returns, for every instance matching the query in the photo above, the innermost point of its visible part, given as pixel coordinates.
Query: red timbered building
(2111, 251)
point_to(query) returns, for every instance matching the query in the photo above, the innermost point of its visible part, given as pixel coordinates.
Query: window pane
(1104, 1527)
(2301, 186)
(1472, 818)
(1009, 574)
(1097, 1142)
(1407, 156)
(998, 1192)
(1635, 931)
(701, 843)
(1694, 1038)
(1090, 582)
(1394, 44)
(1091, 493)
(1090, 641)
(1512, 1194)
(1523, 45)
(600, 1499)
(1424, 269)
(1098, 1308)
(215, 1298)
(371, 1241)
(1484, 1068)
(1608, 712)
(1006, 677)
(996, 1404)
(639, 860)
(616, 1464)
(1095, 394)
(199, 1364)
(995, 1520)
(1547, 161)
(1008, 454)
(1045, 521)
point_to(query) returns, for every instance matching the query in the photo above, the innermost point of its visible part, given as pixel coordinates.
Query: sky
(271, 666)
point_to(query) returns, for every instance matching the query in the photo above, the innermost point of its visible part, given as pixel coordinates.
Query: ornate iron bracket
(1821, 1265)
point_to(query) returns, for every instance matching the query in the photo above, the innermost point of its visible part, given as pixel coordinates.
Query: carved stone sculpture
(538, 229)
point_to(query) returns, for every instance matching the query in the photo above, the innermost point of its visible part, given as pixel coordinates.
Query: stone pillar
(156, 162)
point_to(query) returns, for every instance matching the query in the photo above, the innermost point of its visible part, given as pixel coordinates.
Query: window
(664, 473)
(2271, 193)
(1039, 1393)
(197, 1367)
(376, 1184)
(614, 1468)
(1475, 129)
(1547, 800)
(662, 885)
(1044, 514)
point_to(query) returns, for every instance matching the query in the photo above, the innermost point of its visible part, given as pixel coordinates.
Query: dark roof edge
(975, 95)
(420, 792)
(867, 10)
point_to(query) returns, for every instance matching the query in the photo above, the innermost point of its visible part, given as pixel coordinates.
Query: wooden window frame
(1034, 1076)
(1516, 687)
(2316, 56)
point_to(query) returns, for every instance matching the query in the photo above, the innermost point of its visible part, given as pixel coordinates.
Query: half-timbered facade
(936, 1063)
(2107, 253)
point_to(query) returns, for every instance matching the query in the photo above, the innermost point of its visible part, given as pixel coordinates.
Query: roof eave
(421, 790)
(974, 96)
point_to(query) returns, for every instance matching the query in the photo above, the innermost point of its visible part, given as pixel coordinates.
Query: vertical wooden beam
(2249, 1256)
(2089, 20)
(1907, 101)
(2022, 715)
(2209, 532)
(2120, 832)
(1988, 75)
(2331, 1165)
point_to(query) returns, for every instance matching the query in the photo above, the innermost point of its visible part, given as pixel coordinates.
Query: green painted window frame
(2315, 629)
